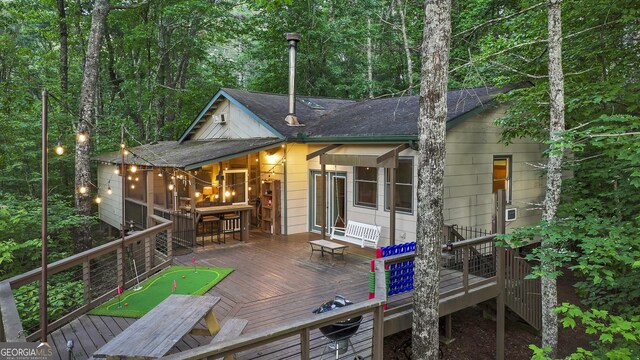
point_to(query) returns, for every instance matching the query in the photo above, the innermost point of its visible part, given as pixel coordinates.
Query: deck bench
(358, 233)
(231, 329)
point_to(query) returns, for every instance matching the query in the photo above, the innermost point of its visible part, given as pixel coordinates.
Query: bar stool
(229, 224)
(209, 221)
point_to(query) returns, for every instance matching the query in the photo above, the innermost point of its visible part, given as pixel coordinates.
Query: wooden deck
(274, 282)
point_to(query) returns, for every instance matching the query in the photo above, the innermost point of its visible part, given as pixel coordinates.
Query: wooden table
(244, 210)
(322, 245)
(153, 335)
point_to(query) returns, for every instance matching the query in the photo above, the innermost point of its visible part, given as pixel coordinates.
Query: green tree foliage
(20, 232)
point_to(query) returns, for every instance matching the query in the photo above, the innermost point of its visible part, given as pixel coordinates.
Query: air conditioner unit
(511, 214)
(220, 119)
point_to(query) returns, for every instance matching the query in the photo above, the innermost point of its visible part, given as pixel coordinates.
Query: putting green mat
(136, 303)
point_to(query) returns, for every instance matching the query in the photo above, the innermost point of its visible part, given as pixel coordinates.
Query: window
(404, 186)
(502, 175)
(366, 186)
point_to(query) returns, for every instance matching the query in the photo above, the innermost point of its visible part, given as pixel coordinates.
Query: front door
(336, 214)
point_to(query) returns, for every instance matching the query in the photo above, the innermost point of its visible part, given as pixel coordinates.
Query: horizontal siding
(109, 209)
(469, 172)
(297, 206)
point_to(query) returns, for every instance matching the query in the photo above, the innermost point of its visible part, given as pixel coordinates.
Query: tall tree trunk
(554, 171)
(431, 137)
(405, 41)
(369, 59)
(85, 123)
(64, 48)
(163, 69)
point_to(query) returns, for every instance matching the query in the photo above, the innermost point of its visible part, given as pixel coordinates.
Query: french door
(336, 207)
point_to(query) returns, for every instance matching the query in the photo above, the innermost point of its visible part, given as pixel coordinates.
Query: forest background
(160, 61)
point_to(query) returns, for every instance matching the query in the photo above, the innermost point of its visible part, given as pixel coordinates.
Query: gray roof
(189, 154)
(374, 117)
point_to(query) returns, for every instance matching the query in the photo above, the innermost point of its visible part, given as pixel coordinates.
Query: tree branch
(129, 7)
(499, 19)
(613, 135)
(533, 42)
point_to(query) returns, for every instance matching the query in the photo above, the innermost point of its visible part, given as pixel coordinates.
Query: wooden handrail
(10, 325)
(93, 253)
(299, 327)
(465, 245)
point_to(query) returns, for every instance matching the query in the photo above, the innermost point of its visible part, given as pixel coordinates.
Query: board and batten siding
(238, 125)
(109, 210)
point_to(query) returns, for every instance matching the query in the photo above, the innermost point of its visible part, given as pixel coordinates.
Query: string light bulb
(59, 149)
(133, 186)
(137, 178)
(116, 171)
(129, 177)
(82, 189)
(233, 193)
(82, 137)
(198, 194)
(109, 191)
(216, 196)
(133, 168)
(227, 193)
(171, 186)
(98, 199)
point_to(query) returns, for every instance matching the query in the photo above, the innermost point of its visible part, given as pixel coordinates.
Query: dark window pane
(404, 186)
(366, 193)
(366, 173)
(366, 186)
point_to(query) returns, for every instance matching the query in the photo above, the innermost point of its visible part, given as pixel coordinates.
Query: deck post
(500, 274)
(305, 347)
(378, 333)
(86, 280)
(380, 280)
(323, 200)
(465, 269)
(147, 253)
(169, 244)
(392, 204)
(120, 265)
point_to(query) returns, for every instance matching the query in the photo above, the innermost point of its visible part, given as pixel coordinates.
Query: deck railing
(84, 280)
(302, 339)
(454, 233)
(467, 266)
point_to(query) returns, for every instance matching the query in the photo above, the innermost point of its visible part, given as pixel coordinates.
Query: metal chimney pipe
(292, 39)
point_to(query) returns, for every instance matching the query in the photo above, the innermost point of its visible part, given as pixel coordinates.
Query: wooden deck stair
(522, 295)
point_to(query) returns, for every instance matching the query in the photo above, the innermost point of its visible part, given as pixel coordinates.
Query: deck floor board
(274, 282)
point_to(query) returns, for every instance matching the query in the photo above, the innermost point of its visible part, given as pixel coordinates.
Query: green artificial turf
(154, 290)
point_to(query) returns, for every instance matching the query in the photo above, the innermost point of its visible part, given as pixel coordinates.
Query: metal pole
(43, 263)
(124, 188)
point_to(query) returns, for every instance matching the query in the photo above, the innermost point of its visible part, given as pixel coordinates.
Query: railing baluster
(305, 346)
(465, 269)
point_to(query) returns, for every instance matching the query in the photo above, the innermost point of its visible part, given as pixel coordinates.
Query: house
(240, 144)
